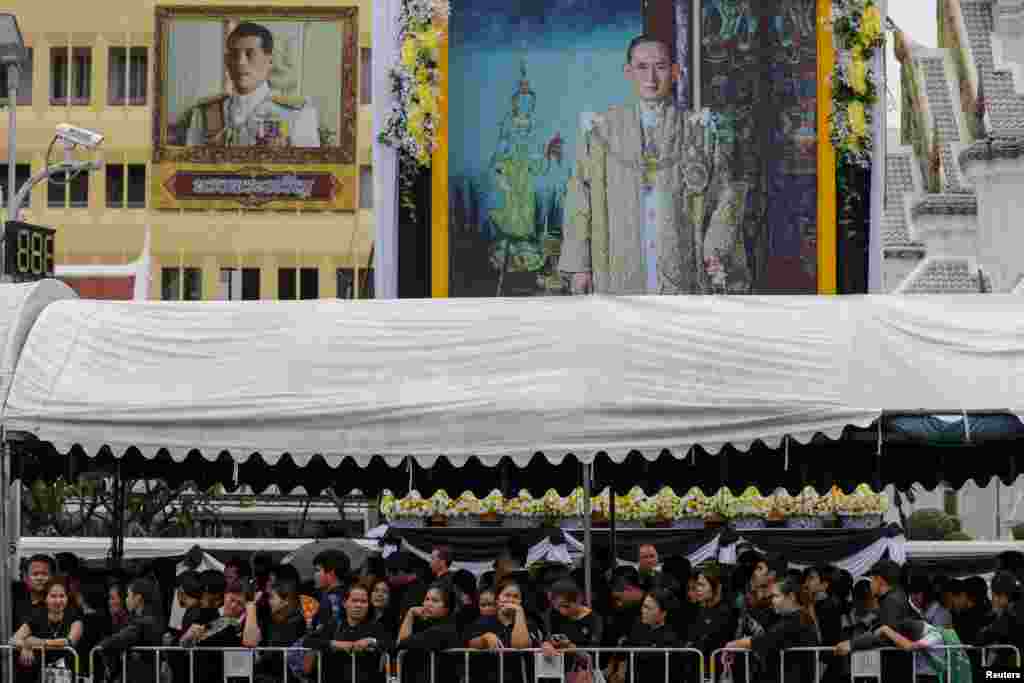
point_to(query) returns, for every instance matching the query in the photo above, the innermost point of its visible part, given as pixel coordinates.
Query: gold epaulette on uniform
(289, 102)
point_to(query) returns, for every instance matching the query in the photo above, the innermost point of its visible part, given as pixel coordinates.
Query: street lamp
(12, 56)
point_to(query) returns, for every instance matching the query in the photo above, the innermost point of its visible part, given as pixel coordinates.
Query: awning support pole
(9, 558)
(588, 548)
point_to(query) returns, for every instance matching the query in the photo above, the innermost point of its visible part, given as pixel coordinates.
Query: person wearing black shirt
(54, 627)
(715, 622)
(893, 608)
(569, 624)
(1008, 626)
(358, 641)
(385, 609)
(430, 628)
(284, 626)
(509, 628)
(332, 574)
(796, 627)
(216, 627)
(144, 629)
(40, 569)
(651, 632)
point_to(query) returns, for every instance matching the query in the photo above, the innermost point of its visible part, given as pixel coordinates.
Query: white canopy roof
(505, 377)
(20, 305)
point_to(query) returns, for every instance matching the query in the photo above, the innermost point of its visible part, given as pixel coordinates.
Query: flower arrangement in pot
(465, 510)
(410, 511)
(693, 508)
(751, 510)
(804, 510)
(519, 511)
(862, 509)
(550, 511)
(491, 508)
(630, 511)
(721, 508)
(440, 509)
(661, 509)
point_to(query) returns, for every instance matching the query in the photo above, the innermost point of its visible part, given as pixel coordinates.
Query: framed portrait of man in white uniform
(255, 107)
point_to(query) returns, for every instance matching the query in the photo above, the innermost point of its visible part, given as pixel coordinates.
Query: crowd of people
(340, 626)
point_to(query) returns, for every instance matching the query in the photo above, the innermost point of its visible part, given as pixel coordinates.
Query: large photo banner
(255, 107)
(589, 155)
(526, 80)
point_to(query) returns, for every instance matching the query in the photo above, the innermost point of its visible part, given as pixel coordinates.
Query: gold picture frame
(343, 150)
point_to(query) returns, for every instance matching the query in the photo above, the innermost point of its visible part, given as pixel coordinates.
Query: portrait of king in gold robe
(650, 208)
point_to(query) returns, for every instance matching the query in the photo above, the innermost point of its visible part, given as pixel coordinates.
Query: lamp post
(12, 56)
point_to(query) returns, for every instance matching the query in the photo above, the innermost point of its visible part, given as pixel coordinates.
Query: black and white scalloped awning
(503, 378)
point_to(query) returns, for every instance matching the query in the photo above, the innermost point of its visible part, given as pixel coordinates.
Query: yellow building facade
(92, 66)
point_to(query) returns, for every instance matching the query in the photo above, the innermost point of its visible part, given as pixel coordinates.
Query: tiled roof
(898, 182)
(940, 103)
(1001, 148)
(943, 276)
(1006, 107)
(946, 204)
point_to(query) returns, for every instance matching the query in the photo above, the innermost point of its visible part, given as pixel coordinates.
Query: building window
(181, 284)
(366, 285)
(239, 284)
(170, 284)
(128, 76)
(24, 83)
(70, 75)
(126, 186)
(309, 283)
(346, 283)
(365, 187)
(22, 172)
(72, 191)
(366, 76)
(286, 284)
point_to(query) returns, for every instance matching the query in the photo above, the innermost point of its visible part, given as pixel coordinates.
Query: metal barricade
(249, 654)
(871, 664)
(597, 653)
(11, 660)
(817, 651)
(729, 650)
(1012, 648)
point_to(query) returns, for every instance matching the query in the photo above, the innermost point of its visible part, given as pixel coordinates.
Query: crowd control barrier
(556, 664)
(1013, 649)
(725, 655)
(47, 674)
(239, 662)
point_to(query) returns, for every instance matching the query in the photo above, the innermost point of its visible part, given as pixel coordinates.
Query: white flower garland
(412, 124)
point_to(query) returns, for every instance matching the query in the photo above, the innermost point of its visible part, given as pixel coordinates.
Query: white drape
(385, 160)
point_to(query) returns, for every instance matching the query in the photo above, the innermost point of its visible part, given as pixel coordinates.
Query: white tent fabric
(20, 305)
(505, 377)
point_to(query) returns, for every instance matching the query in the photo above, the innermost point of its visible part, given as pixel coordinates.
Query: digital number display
(30, 250)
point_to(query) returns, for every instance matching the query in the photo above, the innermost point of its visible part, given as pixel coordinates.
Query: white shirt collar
(242, 106)
(651, 113)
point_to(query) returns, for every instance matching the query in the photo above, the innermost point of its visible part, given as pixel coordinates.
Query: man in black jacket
(144, 629)
(893, 609)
